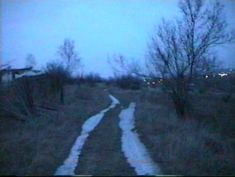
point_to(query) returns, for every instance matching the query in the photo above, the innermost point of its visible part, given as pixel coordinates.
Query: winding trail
(109, 148)
(71, 162)
(102, 154)
(135, 151)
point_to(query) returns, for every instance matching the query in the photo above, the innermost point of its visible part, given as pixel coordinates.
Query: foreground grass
(40, 145)
(199, 146)
(204, 145)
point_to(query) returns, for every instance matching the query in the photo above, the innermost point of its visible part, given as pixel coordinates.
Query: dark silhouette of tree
(58, 75)
(30, 61)
(181, 50)
(68, 54)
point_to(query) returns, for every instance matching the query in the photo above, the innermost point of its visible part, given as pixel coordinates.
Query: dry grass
(204, 145)
(213, 110)
(193, 147)
(39, 146)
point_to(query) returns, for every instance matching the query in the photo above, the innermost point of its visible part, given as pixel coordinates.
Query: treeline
(23, 97)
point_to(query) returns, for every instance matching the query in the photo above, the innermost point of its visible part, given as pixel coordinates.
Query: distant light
(222, 74)
(206, 76)
(153, 82)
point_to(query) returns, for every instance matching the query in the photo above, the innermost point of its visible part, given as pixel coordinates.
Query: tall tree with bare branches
(69, 55)
(121, 66)
(181, 50)
(30, 61)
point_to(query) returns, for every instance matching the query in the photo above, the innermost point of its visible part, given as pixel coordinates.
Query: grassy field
(40, 145)
(204, 145)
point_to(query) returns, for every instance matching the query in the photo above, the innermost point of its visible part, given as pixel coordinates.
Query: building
(7, 75)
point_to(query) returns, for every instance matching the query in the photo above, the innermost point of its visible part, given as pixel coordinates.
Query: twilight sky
(100, 29)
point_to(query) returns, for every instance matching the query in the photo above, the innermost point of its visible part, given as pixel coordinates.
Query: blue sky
(100, 29)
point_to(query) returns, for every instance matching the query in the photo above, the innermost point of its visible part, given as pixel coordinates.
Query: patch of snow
(71, 162)
(134, 150)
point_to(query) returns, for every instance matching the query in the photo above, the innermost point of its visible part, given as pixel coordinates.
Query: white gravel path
(135, 151)
(71, 162)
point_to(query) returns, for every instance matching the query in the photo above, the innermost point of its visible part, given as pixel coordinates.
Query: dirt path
(70, 164)
(108, 145)
(102, 153)
(134, 150)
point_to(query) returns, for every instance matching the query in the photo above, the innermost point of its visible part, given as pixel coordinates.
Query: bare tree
(30, 61)
(58, 76)
(69, 55)
(181, 50)
(126, 73)
(121, 66)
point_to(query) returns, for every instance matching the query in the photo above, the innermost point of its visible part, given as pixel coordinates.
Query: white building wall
(7, 77)
(27, 73)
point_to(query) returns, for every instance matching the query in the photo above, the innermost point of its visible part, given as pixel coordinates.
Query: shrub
(58, 76)
(91, 79)
(128, 82)
(18, 100)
